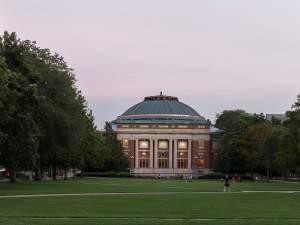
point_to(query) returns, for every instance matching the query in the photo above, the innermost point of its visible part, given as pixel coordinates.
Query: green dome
(161, 109)
(166, 107)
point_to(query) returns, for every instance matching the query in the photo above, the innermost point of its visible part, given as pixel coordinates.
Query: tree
(259, 147)
(107, 152)
(19, 132)
(45, 121)
(115, 157)
(284, 156)
(231, 155)
(293, 123)
(44, 94)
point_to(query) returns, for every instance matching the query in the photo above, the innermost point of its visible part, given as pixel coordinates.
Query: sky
(212, 54)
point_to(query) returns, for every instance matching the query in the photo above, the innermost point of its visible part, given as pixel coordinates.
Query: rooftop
(161, 109)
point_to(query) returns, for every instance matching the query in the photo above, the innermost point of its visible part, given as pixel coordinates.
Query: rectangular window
(163, 159)
(144, 144)
(182, 144)
(163, 144)
(144, 159)
(182, 159)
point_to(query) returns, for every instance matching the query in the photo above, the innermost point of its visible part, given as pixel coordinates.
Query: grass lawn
(148, 202)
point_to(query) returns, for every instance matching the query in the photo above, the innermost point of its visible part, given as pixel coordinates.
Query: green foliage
(251, 144)
(45, 122)
(231, 155)
(293, 123)
(107, 154)
(18, 132)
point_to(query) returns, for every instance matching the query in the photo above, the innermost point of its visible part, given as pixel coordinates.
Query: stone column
(189, 153)
(136, 156)
(175, 155)
(170, 154)
(151, 152)
(155, 149)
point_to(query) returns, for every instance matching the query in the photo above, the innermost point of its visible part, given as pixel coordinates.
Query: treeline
(45, 123)
(251, 144)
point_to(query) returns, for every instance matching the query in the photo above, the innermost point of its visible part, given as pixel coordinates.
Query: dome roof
(161, 109)
(166, 107)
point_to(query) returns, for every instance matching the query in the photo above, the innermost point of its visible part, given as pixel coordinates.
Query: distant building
(280, 117)
(162, 136)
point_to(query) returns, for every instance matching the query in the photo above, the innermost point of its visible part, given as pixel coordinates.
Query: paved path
(139, 193)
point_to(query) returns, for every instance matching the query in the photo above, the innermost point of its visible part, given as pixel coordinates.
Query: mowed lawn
(107, 201)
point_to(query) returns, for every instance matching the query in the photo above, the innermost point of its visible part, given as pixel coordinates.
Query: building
(280, 117)
(162, 136)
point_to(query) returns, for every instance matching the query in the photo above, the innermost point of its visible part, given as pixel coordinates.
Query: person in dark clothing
(226, 184)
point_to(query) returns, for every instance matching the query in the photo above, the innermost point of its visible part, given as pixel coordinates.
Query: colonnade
(153, 153)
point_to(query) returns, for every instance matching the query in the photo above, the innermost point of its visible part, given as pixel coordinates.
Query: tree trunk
(283, 173)
(65, 174)
(12, 175)
(53, 171)
(38, 171)
(268, 171)
(251, 173)
(74, 173)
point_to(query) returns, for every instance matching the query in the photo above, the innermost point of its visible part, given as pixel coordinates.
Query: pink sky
(213, 55)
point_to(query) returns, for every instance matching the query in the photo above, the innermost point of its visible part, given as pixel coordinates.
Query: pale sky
(213, 55)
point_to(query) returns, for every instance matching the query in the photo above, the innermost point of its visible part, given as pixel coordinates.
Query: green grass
(175, 202)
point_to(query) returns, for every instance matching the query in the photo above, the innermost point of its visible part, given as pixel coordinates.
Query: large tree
(231, 155)
(45, 121)
(42, 93)
(293, 123)
(18, 96)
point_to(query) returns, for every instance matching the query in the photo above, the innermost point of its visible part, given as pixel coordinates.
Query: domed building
(162, 136)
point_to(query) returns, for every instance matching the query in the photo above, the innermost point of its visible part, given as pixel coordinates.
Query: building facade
(162, 136)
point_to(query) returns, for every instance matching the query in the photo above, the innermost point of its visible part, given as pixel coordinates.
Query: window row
(163, 159)
(164, 144)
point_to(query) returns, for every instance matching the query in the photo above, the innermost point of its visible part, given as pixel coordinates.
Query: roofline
(158, 115)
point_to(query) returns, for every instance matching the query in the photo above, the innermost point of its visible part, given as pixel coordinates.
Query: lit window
(144, 144)
(200, 163)
(163, 144)
(163, 159)
(125, 143)
(144, 159)
(182, 145)
(182, 160)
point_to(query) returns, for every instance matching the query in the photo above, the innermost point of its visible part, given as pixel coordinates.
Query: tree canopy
(44, 119)
(252, 144)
